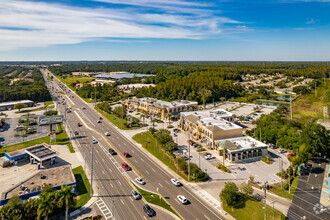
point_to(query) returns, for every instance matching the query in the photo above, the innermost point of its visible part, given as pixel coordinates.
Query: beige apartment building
(210, 125)
(158, 107)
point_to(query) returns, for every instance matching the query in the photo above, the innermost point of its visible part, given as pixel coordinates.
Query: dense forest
(31, 87)
(196, 81)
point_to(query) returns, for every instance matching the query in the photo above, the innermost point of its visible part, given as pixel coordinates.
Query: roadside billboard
(48, 120)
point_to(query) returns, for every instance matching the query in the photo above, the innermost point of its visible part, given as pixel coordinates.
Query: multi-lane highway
(111, 178)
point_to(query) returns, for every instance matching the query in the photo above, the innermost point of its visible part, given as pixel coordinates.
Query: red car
(291, 155)
(126, 154)
(126, 167)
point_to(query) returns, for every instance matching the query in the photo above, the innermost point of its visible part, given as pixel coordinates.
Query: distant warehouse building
(241, 149)
(10, 105)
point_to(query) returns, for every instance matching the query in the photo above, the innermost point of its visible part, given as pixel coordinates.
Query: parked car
(176, 130)
(291, 155)
(147, 209)
(136, 195)
(208, 157)
(282, 151)
(140, 181)
(126, 167)
(112, 151)
(68, 111)
(126, 154)
(175, 182)
(182, 199)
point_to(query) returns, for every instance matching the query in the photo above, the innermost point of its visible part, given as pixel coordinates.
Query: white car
(182, 199)
(208, 157)
(136, 195)
(107, 134)
(3, 144)
(176, 182)
(141, 181)
(94, 141)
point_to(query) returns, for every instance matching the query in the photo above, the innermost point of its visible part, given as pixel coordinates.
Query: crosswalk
(104, 209)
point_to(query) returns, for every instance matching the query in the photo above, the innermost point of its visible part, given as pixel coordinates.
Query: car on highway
(282, 151)
(126, 154)
(94, 141)
(76, 133)
(83, 107)
(126, 167)
(100, 118)
(79, 124)
(72, 96)
(136, 195)
(107, 134)
(208, 156)
(140, 181)
(182, 199)
(98, 121)
(147, 209)
(112, 151)
(68, 111)
(175, 182)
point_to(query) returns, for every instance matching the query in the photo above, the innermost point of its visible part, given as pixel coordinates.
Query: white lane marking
(147, 172)
(96, 161)
(111, 185)
(119, 182)
(110, 170)
(135, 161)
(206, 217)
(131, 198)
(142, 159)
(144, 218)
(160, 185)
(167, 182)
(102, 159)
(153, 170)
(119, 145)
(122, 201)
(103, 172)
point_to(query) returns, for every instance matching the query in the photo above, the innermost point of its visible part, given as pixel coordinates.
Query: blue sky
(219, 30)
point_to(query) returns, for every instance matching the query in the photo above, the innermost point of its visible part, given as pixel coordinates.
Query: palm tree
(45, 206)
(169, 116)
(153, 123)
(142, 116)
(30, 208)
(65, 195)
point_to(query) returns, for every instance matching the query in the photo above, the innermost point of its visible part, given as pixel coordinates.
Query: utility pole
(265, 191)
(189, 158)
(122, 115)
(289, 180)
(281, 170)
(91, 190)
(291, 107)
(260, 133)
(273, 210)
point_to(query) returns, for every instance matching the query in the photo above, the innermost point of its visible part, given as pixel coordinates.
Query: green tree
(120, 111)
(205, 94)
(45, 206)
(50, 113)
(19, 106)
(169, 117)
(246, 189)
(229, 195)
(30, 208)
(66, 196)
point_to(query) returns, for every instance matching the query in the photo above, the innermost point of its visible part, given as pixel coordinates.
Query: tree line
(34, 90)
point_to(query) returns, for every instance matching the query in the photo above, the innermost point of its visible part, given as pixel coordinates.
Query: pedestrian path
(104, 209)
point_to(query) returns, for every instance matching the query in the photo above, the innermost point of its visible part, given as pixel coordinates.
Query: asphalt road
(305, 203)
(113, 183)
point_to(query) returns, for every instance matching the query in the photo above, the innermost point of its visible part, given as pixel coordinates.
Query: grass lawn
(276, 189)
(70, 80)
(151, 147)
(117, 121)
(253, 210)
(49, 103)
(155, 199)
(83, 187)
(61, 138)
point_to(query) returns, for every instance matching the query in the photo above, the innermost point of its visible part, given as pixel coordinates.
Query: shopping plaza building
(158, 107)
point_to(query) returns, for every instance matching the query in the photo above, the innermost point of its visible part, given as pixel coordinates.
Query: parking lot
(8, 135)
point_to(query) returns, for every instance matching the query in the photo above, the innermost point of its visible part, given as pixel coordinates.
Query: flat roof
(215, 113)
(121, 75)
(241, 143)
(165, 104)
(15, 102)
(41, 152)
(56, 176)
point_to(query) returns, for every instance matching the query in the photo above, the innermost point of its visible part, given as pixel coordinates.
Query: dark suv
(147, 209)
(112, 151)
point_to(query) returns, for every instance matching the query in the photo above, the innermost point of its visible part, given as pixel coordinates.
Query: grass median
(155, 199)
(276, 189)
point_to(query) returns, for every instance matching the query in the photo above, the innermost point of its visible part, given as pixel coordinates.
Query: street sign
(53, 136)
(48, 120)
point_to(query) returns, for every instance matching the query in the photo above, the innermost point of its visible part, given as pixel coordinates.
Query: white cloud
(311, 21)
(37, 24)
